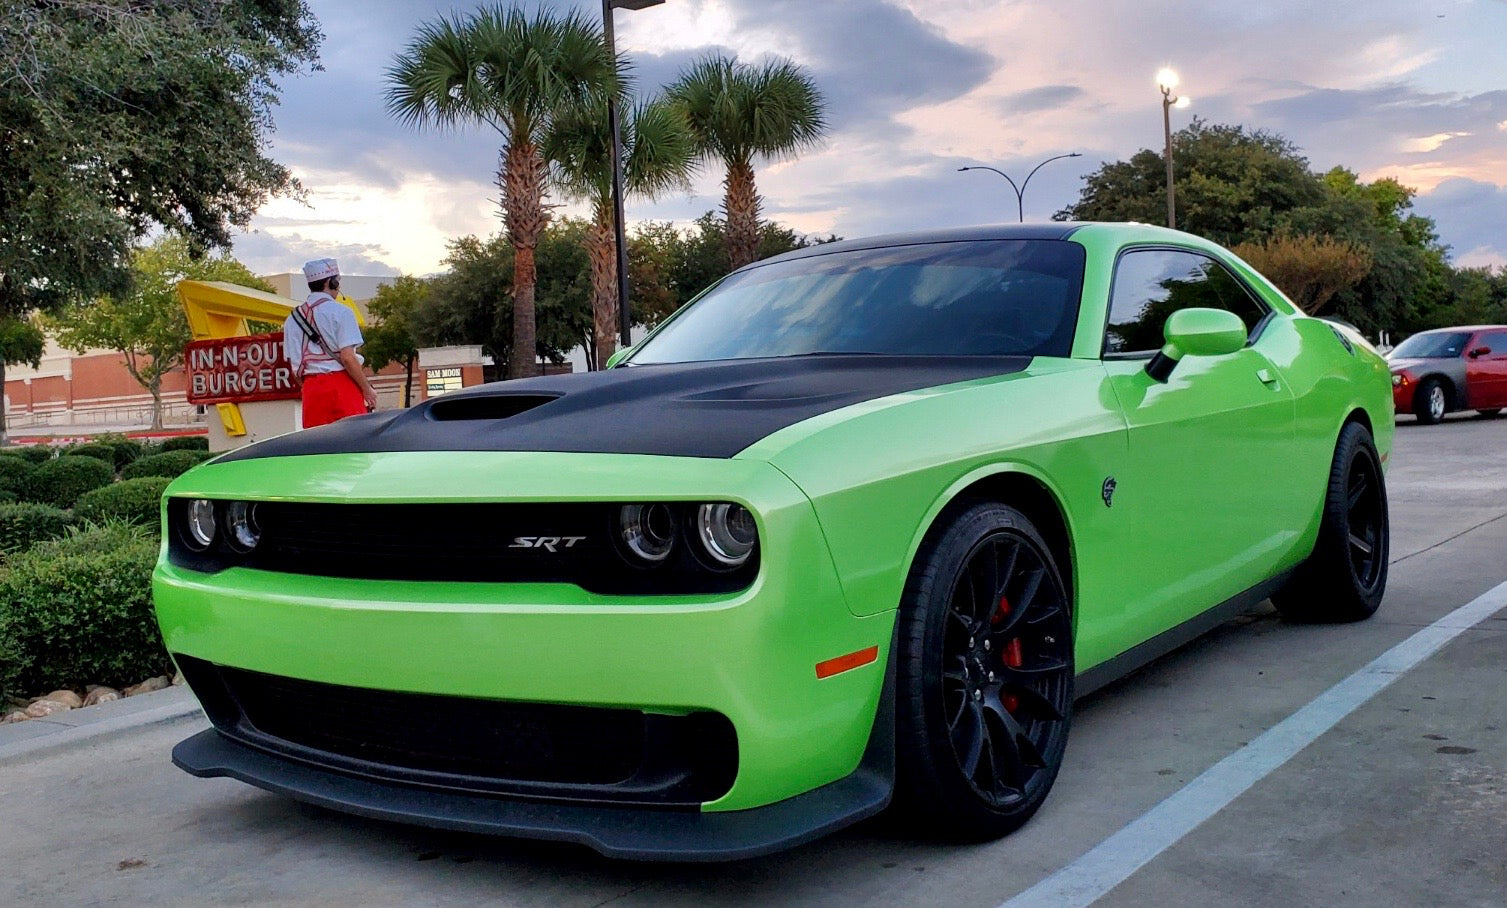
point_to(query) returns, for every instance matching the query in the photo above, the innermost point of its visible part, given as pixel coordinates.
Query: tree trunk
(408, 382)
(523, 175)
(156, 388)
(601, 251)
(742, 206)
(4, 437)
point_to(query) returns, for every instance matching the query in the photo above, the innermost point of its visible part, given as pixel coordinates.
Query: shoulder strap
(305, 322)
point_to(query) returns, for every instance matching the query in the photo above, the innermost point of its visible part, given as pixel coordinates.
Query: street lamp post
(1166, 80)
(625, 320)
(1020, 191)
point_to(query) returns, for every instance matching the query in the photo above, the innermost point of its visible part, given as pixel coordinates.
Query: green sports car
(851, 530)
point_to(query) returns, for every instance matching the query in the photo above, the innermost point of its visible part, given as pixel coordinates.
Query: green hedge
(186, 443)
(13, 473)
(25, 524)
(135, 501)
(60, 482)
(36, 453)
(168, 463)
(78, 611)
(97, 450)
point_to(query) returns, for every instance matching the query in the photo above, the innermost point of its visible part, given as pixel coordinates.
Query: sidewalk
(23, 739)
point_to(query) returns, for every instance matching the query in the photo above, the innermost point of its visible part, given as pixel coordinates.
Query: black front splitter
(636, 833)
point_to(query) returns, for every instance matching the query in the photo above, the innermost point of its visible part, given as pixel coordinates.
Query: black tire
(1346, 576)
(1490, 412)
(984, 676)
(1431, 401)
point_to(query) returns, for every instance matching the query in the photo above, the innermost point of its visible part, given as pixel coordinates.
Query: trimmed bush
(37, 453)
(60, 482)
(78, 610)
(126, 451)
(93, 449)
(13, 473)
(8, 498)
(25, 524)
(132, 501)
(186, 443)
(168, 463)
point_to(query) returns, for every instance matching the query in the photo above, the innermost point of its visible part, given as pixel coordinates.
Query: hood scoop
(486, 406)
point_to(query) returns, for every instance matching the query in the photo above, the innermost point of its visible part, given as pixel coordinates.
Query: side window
(1151, 284)
(1496, 340)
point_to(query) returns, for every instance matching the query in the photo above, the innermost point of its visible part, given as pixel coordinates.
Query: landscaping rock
(178, 680)
(158, 683)
(45, 707)
(66, 697)
(98, 694)
(15, 715)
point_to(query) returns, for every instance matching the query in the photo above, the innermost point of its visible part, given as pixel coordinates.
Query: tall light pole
(1166, 80)
(624, 319)
(1020, 191)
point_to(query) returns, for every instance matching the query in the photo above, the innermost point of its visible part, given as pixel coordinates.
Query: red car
(1447, 369)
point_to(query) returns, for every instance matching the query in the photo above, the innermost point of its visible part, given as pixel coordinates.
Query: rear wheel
(984, 677)
(1430, 401)
(1345, 577)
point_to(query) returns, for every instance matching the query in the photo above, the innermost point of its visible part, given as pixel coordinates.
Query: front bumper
(1402, 397)
(749, 656)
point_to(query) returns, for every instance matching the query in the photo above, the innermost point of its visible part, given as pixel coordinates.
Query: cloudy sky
(918, 88)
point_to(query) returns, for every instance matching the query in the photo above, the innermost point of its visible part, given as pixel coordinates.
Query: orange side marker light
(846, 663)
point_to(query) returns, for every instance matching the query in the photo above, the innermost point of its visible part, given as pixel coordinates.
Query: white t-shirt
(336, 323)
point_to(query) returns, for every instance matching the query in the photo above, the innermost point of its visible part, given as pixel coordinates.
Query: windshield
(1447, 344)
(983, 298)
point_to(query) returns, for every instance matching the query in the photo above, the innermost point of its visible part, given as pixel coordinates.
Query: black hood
(711, 409)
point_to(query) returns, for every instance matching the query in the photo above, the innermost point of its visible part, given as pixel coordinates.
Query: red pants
(328, 396)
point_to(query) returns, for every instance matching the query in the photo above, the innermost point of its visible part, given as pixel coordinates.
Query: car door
(1203, 446)
(1486, 371)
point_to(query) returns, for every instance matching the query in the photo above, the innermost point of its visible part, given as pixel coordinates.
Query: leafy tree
(390, 338)
(119, 115)
(515, 73)
(1309, 269)
(657, 150)
(146, 324)
(470, 304)
(739, 112)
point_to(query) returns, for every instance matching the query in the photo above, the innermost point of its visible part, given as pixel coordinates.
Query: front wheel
(1430, 402)
(1346, 576)
(984, 676)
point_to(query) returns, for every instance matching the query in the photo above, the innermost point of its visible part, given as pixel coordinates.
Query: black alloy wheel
(1430, 401)
(986, 677)
(1346, 576)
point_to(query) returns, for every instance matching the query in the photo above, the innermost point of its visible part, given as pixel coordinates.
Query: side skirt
(1119, 666)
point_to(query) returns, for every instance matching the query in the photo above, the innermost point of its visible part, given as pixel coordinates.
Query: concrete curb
(24, 739)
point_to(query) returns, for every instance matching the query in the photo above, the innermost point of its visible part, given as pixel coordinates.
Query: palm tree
(738, 112)
(658, 152)
(513, 72)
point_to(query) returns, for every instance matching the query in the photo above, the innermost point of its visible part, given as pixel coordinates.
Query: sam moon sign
(239, 370)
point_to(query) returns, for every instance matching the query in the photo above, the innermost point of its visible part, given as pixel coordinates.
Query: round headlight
(1397, 378)
(727, 532)
(201, 524)
(241, 525)
(648, 530)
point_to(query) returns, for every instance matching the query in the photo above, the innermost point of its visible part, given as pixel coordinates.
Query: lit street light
(1020, 191)
(1166, 80)
(625, 321)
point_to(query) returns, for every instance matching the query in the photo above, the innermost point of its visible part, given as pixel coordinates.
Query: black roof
(1056, 230)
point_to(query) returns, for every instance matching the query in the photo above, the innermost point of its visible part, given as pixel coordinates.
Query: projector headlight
(241, 526)
(201, 525)
(727, 533)
(647, 530)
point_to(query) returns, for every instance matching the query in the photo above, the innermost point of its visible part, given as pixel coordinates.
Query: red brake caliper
(1010, 656)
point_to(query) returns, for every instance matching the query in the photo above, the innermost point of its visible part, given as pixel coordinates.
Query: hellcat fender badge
(1108, 491)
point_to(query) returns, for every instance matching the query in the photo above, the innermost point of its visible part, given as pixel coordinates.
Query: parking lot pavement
(1401, 803)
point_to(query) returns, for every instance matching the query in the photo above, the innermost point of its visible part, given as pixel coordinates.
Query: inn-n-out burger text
(239, 370)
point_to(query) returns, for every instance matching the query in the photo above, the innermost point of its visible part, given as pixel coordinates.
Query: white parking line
(1112, 861)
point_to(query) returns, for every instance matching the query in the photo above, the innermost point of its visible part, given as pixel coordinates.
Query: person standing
(320, 339)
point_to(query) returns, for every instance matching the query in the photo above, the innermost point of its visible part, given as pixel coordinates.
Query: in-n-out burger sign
(239, 370)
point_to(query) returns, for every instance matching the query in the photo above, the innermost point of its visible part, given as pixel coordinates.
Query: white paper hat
(319, 269)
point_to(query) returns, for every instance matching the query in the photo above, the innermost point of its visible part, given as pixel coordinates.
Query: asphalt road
(1403, 802)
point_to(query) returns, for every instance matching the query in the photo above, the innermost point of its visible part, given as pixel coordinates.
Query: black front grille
(505, 747)
(485, 543)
